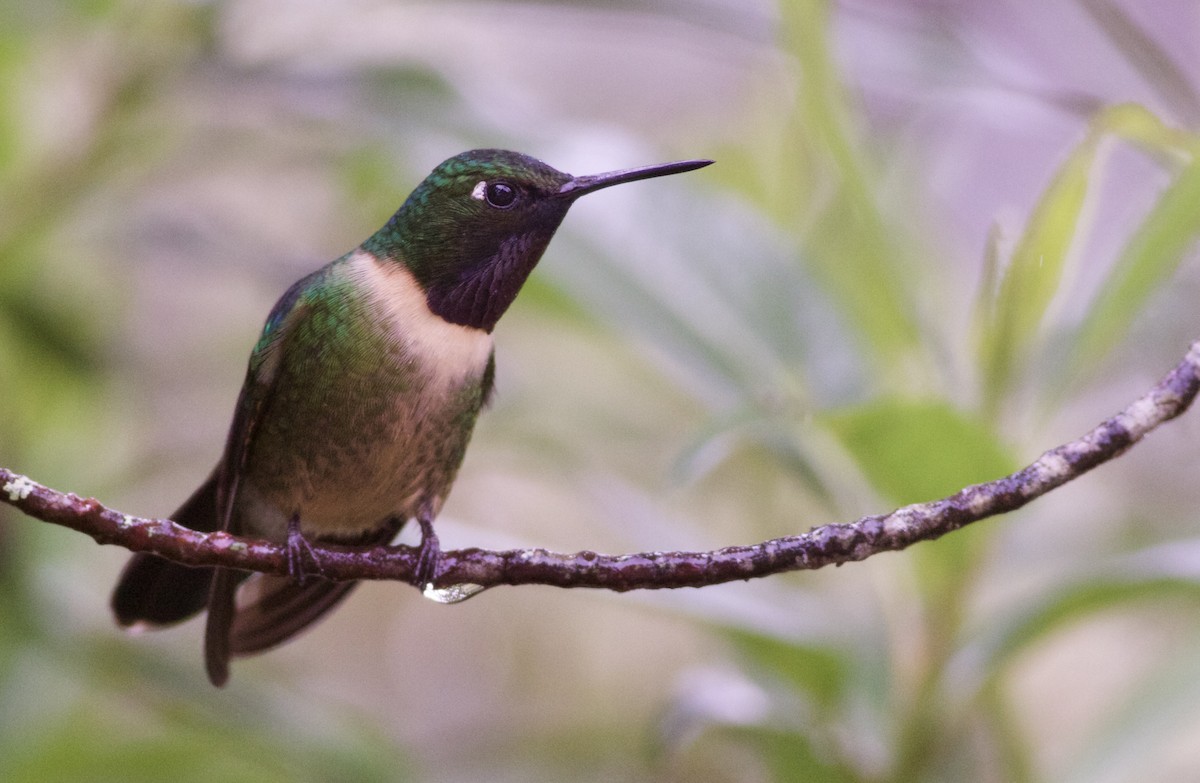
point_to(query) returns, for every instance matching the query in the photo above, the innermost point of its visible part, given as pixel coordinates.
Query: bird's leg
(429, 554)
(297, 547)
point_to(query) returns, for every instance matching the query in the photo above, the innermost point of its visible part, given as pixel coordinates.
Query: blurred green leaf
(718, 441)
(1075, 603)
(820, 672)
(913, 451)
(854, 251)
(984, 313)
(83, 744)
(12, 58)
(1136, 124)
(1154, 578)
(792, 757)
(1148, 260)
(140, 715)
(1012, 749)
(1034, 273)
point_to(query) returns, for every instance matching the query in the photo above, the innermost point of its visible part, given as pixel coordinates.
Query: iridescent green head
(475, 228)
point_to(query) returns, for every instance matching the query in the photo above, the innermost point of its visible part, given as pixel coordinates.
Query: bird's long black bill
(592, 182)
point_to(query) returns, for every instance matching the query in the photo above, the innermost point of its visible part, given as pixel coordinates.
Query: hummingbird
(360, 398)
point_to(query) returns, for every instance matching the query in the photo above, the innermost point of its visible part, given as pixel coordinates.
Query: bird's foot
(297, 548)
(429, 554)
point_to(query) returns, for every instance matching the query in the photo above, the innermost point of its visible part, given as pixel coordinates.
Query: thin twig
(826, 545)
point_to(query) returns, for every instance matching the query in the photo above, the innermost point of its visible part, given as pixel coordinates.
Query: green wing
(252, 405)
(256, 391)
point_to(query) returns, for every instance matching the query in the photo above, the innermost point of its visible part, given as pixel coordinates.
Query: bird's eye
(500, 194)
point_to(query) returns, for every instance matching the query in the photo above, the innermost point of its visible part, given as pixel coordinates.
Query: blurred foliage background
(940, 238)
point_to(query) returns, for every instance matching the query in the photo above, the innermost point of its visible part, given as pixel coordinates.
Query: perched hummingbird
(361, 396)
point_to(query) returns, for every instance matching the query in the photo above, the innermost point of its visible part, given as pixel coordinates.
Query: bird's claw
(429, 555)
(297, 547)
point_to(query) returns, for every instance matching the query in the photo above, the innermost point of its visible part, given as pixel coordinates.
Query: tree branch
(826, 545)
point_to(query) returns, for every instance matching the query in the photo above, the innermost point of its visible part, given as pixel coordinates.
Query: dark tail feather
(220, 617)
(156, 591)
(276, 608)
(281, 609)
